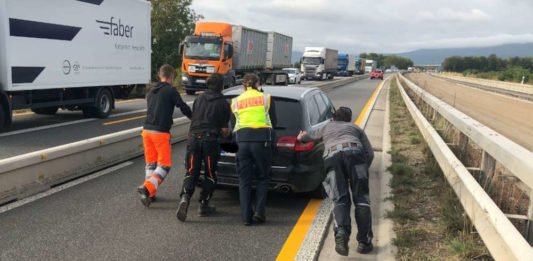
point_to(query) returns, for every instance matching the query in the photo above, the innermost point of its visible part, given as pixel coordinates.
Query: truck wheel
(318, 193)
(190, 92)
(103, 107)
(104, 104)
(45, 111)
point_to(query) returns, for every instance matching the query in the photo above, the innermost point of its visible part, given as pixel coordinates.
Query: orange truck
(233, 50)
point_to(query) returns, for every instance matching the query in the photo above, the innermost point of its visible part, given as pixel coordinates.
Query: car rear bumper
(285, 179)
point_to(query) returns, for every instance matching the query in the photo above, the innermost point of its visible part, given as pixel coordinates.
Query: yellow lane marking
(299, 231)
(297, 235)
(123, 120)
(367, 105)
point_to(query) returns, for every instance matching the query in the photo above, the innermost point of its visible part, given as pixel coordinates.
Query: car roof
(295, 93)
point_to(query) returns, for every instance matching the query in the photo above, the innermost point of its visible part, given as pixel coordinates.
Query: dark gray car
(296, 167)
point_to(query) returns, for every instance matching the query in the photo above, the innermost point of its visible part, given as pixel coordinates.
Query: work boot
(341, 244)
(205, 209)
(364, 248)
(145, 196)
(183, 206)
(259, 219)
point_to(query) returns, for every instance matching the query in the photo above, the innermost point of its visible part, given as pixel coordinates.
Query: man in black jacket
(161, 101)
(210, 118)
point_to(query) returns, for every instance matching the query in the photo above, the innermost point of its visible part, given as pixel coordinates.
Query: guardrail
(502, 239)
(507, 86)
(34, 172)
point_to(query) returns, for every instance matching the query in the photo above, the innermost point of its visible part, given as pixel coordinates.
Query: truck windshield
(203, 50)
(312, 60)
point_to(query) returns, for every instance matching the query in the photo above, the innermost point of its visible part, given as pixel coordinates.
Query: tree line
(491, 67)
(386, 61)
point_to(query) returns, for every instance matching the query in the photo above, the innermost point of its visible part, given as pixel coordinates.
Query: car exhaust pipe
(284, 189)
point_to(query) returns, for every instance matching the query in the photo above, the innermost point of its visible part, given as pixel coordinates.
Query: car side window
(312, 111)
(322, 107)
(330, 109)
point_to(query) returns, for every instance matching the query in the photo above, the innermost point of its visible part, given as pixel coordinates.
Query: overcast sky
(386, 26)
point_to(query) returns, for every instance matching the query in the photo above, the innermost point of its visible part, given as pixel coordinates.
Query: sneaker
(145, 196)
(258, 219)
(341, 244)
(205, 209)
(364, 248)
(183, 206)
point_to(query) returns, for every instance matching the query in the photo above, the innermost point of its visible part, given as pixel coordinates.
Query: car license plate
(227, 154)
(200, 81)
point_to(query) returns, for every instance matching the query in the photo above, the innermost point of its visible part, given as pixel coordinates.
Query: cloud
(449, 15)
(387, 26)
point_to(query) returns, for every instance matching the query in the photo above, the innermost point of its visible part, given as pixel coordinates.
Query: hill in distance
(436, 56)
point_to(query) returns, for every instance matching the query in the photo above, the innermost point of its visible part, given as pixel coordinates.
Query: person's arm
(185, 109)
(367, 147)
(226, 116)
(317, 134)
(272, 113)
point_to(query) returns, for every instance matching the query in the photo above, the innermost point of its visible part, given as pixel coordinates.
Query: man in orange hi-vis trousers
(161, 101)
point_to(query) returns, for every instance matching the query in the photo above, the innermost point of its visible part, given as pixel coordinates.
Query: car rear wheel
(318, 193)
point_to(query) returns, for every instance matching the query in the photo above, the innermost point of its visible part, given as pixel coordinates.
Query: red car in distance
(376, 74)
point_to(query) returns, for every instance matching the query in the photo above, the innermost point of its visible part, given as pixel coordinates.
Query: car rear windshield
(288, 114)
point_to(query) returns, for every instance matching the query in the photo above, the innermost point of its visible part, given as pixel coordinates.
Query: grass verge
(430, 223)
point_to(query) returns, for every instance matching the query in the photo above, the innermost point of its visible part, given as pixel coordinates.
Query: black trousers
(253, 159)
(206, 150)
(348, 170)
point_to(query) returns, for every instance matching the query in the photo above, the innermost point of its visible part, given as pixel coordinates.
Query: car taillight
(291, 142)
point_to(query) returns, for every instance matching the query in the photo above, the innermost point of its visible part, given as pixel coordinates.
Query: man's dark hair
(215, 82)
(343, 114)
(250, 80)
(167, 71)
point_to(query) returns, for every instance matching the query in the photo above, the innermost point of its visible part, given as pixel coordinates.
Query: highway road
(507, 115)
(102, 219)
(31, 132)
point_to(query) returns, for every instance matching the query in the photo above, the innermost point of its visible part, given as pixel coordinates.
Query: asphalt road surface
(102, 219)
(507, 115)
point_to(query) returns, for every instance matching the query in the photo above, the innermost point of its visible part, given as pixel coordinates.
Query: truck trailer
(359, 65)
(75, 55)
(233, 50)
(346, 64)
(319, 63)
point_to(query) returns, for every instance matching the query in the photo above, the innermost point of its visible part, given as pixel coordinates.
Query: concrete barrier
(500, 236)
(31, 173)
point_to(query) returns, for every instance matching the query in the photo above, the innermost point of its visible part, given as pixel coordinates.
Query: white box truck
(319, 63)
(370, 66)
(76, 55)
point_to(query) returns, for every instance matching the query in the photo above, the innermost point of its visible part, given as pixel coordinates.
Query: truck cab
(342, 67)
(209, 50)
(319, 63)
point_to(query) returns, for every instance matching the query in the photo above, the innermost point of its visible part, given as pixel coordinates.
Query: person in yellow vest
(254, 117)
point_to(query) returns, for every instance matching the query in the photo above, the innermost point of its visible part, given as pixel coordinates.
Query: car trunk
(289, 123)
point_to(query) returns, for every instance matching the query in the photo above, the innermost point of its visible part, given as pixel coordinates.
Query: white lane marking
(65, 186)
(7, 134)
(44, 127)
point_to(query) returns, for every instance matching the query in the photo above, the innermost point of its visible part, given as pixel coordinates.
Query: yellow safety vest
(251, 110)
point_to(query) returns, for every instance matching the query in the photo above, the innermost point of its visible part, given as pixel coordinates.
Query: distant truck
(319, 63)
(233, 50)
(370, 66)
(75, 55)
(346, 64)
(359, 66)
